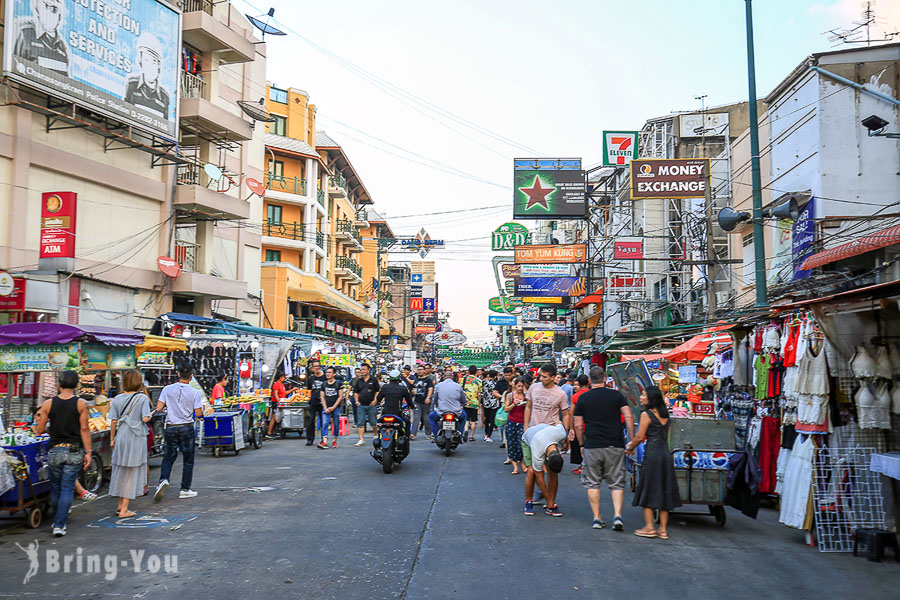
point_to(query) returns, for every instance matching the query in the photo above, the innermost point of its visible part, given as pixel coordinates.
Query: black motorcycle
(448, 436)
(392, 442)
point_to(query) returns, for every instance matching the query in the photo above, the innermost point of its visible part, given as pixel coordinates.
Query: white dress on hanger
(797, 483)
(895, 399)
(883, 366)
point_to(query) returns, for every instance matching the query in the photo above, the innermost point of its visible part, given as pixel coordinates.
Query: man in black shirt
(332, 396)
(41, 40)
(394, 397)
(315, 381)
(423, 388)
(599, 413)
(364, 398)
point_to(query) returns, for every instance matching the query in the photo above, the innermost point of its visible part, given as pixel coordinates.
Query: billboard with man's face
(118, 58)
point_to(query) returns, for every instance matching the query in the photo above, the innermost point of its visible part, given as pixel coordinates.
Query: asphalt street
(292, 521)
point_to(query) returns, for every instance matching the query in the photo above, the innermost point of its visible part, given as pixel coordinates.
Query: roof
(861, 245)
(341, 164)
(323, 140)
(290, 145)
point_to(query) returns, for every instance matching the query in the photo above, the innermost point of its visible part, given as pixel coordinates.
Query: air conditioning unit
(723, 298)
(298, 326)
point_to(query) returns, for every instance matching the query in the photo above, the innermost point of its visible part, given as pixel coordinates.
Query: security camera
(874, 124)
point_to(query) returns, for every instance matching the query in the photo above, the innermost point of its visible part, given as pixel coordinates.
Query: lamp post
(759, 242)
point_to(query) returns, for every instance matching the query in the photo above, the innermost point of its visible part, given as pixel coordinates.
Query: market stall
(155, 358)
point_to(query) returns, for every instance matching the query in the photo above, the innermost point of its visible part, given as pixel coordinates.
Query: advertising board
(508, 236)
(549, 188)
(538, 337)
(118, 58)
(619, 147)
(669, 178)
(58, 214)
(538, 287)
(628, 249)
(551, 253)
(507, 320)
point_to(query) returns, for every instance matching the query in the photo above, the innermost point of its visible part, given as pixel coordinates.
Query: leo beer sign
(58, 211)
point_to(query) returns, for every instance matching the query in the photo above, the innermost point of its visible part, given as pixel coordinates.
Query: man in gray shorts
(598, 425)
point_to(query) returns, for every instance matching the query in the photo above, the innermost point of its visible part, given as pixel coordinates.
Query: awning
(694, 349)
(59, 333)
(156, 343)
(594, 298)
(867, 243)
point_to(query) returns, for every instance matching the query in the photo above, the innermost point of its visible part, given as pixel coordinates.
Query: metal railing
(197, 5)
(362, 215)
(320, 240)
(345, 262)
(338, 181)
(320, 196)
(292, 185)
(348, 227)
(193, 86)
(186, 255)
(291, 231)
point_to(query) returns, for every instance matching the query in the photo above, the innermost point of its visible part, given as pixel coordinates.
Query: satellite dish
(263, 23)
(212, 171)
(256, 187)
(256, 111)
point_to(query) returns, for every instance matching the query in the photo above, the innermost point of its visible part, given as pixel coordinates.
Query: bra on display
(862, 364)
(873, 410)
(883, 366)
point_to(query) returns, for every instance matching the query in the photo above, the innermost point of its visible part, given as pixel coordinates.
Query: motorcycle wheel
(387, 459)
(448, 446)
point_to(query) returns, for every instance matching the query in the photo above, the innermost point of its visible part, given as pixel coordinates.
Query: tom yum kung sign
(669, 178)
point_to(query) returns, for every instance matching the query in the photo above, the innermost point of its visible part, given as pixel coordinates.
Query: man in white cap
(40, 40)
(144, 89)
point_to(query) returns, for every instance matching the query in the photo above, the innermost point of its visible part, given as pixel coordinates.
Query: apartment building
(144, 165)
(312, 278)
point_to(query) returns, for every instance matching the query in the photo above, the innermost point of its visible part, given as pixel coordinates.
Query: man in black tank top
(70, 445)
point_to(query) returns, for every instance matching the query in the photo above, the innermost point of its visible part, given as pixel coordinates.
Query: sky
(433, 100)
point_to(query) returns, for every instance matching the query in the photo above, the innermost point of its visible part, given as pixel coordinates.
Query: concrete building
(141, 195)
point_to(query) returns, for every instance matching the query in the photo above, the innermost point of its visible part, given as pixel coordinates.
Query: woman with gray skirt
(129, 414)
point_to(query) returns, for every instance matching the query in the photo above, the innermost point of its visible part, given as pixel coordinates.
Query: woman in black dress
(657, 488)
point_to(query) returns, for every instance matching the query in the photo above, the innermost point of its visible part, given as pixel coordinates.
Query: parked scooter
(448, 436)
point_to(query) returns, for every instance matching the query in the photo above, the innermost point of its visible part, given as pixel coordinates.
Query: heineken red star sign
(549, 189)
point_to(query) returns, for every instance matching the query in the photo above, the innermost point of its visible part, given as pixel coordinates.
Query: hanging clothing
(761, 366)
(895, 399)
(757, 344)
(772, 338)
(873, 410)
(776, 376)
(790, 346)
(883, 363)
(784, 457)
(862, 364)
(797, 485)
(769, 447)
(743, 483)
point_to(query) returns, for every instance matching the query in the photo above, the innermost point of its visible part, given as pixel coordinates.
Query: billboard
(446, 338)
(116, 58)
(511, 271)
(803, 236)
(551, 253)
(58, 212)
(538, 337)
(537, 287)
(628, 249)
(508, 236)
(549, 189)
(619, 147)
(669, 178)
(548, 313)
(502, 304)
(508, 320)
(531, 300)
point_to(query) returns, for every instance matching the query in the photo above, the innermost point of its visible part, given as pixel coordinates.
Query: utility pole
(759, 242)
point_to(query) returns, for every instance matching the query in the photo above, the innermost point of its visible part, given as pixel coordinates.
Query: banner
(619, 147)
(628, 249)
(533, 300)
(669, 178)
(781, 264)
(446, 338)
(336, 360)
(58, 211)
(119, 58)
(14, 301)
(550, 286)
(508, 236)
(803, 236)
(538, 337)
(551, 253)
(39, 357)
(549, 189)
(98, 357)
(547, 313)
(505, 320)
(497, 303)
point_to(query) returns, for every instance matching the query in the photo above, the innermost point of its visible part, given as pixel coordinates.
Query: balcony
(320, 240)
(337, 185)
(320, 196)
(346, 267)
(361, 219)
(206, 33)
(290, 231)
(347, 233)
(385, 276)
(192, 283)
(290, 185)
(204, 118)
(195, 193)
(193, 86)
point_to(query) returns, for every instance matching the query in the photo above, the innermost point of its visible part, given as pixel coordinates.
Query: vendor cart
(293, 419)
(702, 449)
(31, 493)
(255, 430)
(225, 431)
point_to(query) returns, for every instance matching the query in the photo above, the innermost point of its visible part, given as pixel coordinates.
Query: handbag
(500, 419)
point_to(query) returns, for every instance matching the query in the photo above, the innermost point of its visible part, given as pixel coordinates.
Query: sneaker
(577, 470)
(310, 443)
(618, 525)
(598, 524)
(334, 444)
(187, 494)
(161, 490)
(488, 440)
(529, 508)
(59, 531)
(322, 446)
(553, 511)
(360, 443)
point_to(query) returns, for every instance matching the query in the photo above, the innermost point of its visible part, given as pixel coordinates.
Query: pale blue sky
(549, 75)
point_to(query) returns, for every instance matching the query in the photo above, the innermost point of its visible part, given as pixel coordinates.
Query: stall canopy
(866, 243)
(59, 333)
(155, 343)
(694, 349)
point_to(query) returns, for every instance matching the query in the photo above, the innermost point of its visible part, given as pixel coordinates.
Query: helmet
(394, 374)
(150, 43)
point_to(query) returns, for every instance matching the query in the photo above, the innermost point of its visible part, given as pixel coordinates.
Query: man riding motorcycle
(395, 399)
(448, 398)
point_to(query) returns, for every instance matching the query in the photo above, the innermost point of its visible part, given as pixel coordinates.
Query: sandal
(127, 515)
(88, 496)
(646, 534)
(515, 472)
(662, 535)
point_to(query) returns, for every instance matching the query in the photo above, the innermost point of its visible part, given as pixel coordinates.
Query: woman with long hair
(657, 488)
(514, 403)
(129, 413)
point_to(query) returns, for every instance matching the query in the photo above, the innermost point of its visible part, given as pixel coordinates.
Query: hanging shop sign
(549, 189)
(40, 357)
(497, 303)
(628, 249)
(551, 254)
(426, 328)
(329, 325)
(415, 291)
(422, 243)
(509, 287)
(509, 271)
(539, 287)
(119, 59)
(58, 210)
(548, 313)
(7, 284)
(429, 305)
(619, 147)
(508, 236)
(424, 268)
(97, 357)
(446, 338)
(503, 320)
(416, 303)
(169, 266)
(336, 360)
(12, 293)
(803, 236)
(669, 177)
(538, 337)
(320, 323)
(536, 300)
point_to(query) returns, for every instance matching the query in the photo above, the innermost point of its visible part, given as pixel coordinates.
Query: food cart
(155, 355)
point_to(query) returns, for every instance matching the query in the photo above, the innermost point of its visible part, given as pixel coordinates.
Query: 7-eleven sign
(619, 147)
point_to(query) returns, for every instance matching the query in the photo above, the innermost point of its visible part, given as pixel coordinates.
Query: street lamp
(876, 125)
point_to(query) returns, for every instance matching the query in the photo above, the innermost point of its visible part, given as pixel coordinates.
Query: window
(277, 95)
(278, 126)
(273, 255)
(749, 260)
(273, 214)
(276, 170)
